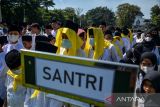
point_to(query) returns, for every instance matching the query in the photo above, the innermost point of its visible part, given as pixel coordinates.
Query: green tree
(83, 21)
(58, 14)
(79, 16)
(100, 14)
(126, 14)
(155, 15)
(14, 11)
(47, 3)
(70, 14)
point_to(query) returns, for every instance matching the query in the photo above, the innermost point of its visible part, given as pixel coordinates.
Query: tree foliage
(126, 13)
(99, 14)
(155, 15)
(69, 13)
(14, 11)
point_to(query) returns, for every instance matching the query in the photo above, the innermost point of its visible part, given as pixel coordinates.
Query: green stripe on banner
(29, 70)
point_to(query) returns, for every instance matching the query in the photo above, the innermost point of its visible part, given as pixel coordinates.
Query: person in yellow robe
(69, 44)
(114, 44)
(96, 47)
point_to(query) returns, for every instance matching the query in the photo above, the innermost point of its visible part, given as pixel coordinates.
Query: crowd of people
(99, 42)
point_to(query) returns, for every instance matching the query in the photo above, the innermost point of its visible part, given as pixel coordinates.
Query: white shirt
(127, 44)
(8, 47)
(53, 32)
(110, 54)
(81, 53)
(15, 98)
(91, 52)
(119, 45)
(138, 40)
(28, 101)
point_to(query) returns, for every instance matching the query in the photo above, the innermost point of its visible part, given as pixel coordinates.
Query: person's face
(13, 36)
(27, 44)
(54, 25)
(102, 27)
(148, 87)
(146, 62)
(108, 37)
(83, 36)
(48, 31)
(148, 35)
(14, 33)
(154, 33)
(34, 30)
(66, 43)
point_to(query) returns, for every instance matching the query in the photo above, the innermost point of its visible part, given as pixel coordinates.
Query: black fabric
(157, 40)
(13, 59)
(42, 38)
(154, 78)
(139, 31)
(133, 55)
(149, 46)
(1, 102)
(152, 57)
(149, 55)
(126, 60)
(3, 40)
(45, 47)
(27, 38)
(91, 33)
(117, 33)
(129, 54)
(156, 37)
(50, 37)
(141, 72)
(138, 51)
(129, 57)
(125, 31)
(103, 23)
(152, 100)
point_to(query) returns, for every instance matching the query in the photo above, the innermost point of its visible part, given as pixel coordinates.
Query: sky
(86, 5)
